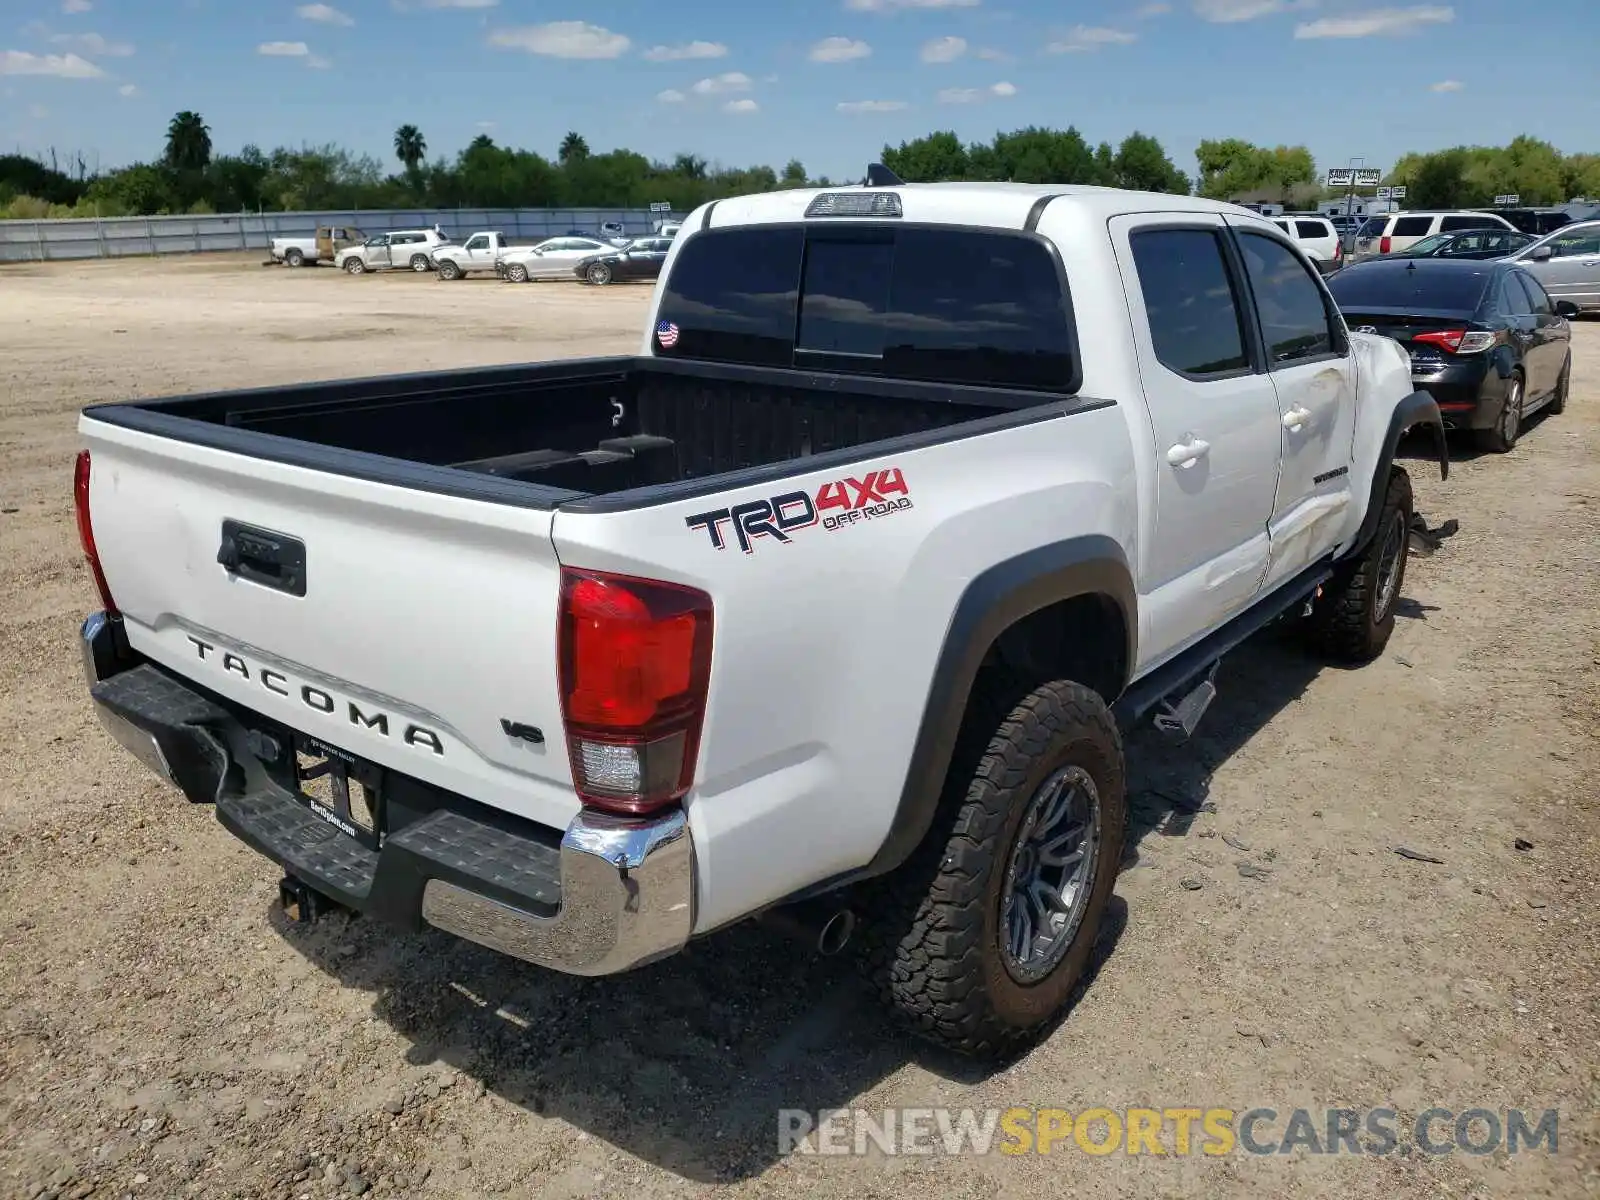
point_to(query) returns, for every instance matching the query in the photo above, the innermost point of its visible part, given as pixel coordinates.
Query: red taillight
(1448, 339)
(80, 501)
(1383, 245)
(635, 666)
(1338, 250)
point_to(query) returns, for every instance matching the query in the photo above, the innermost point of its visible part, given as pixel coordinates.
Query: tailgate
(425, 619)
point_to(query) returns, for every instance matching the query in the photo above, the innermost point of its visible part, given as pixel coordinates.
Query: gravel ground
(164, 1033)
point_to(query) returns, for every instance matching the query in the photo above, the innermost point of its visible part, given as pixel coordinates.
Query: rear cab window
(981, 307)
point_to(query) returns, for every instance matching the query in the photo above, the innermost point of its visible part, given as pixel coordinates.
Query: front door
(1546, 351)
(1314, 377)
(1572, 272)
(1214, 427)
(478, 253)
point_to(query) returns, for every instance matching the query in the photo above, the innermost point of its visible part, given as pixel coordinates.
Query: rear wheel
(1502, 436)
(294, 257)
(1352, 617)
(979, 940)
(1558, 402)
(419, 263)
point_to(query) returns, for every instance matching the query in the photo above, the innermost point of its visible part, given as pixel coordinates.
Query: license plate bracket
(345, 791)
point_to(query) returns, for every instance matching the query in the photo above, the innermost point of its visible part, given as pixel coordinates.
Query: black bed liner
(596, 434)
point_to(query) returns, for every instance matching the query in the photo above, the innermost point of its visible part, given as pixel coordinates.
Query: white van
(1316, 236)
(1399, 231)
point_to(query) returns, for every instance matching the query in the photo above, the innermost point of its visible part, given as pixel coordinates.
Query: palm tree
(573, 149)
(188, 142)
(410, 147)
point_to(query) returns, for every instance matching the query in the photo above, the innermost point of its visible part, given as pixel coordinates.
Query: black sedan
(1469, 243)
(638, 260)
(1485, 339)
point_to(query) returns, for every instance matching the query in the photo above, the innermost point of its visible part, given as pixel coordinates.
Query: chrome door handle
(1186, 454)
(1295, 418)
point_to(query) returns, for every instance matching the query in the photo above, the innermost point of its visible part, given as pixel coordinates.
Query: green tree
(410, 147)
(188, 142)
(573, 149)
(794, 174)
(928, 159)
(1142, 165)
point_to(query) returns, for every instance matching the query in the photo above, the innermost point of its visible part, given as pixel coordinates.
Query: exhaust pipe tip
(836, 933)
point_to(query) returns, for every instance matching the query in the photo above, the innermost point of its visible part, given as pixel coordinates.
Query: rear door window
(1190, 300)
(1313, 229)
(1451, 224)
(1411, 226)
(911, 302)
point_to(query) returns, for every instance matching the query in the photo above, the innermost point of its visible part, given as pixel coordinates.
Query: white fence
(115, 237)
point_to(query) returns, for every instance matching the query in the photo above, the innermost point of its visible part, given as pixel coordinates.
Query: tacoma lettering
(316, 699)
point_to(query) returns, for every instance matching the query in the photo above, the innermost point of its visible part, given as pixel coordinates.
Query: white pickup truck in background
(479, 252)
(830, 606)
(322, 246)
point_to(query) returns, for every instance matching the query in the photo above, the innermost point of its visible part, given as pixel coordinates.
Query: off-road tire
(1347, 622)
(448, 270)
(929, 931)
(1558, 402)
(295, 258)
(1502, 436)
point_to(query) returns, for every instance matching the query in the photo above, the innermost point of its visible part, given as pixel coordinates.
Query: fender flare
(1419, 408)
(992, 602)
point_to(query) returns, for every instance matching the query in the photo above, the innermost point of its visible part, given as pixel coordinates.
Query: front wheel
(517, 273)
(599, 274)
(449, 270)
(1353, 614)
(1558, 402)
(355, 266)
(979, 940)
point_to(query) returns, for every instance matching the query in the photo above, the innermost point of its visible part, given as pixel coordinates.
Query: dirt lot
(164, 1033)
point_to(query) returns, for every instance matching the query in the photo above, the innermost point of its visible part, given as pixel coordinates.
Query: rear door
(1314, 379)
(1548, 348)
(1214, 421)
(422, 620)
(376, 252)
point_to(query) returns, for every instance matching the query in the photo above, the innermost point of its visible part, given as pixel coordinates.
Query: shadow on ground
(686, 1063)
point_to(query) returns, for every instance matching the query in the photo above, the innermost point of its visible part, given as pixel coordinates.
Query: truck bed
(554, 433)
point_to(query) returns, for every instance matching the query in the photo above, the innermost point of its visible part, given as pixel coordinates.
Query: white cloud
(563, 39)
(128, 89)
(1229, 12)
(1382, 22)
(93, 43)
(871, 106)
(988, 54)
(485, 124)
(671, 96)
(283, 49)
(943, 50)
(1153, 10)
(839, 49)
(62, 66)
(719, 85)
(326, 14)
(895, 5)
(973, 95)
(1447, 85)
(1085, 38)
(741, 106)
(317, 63)
(75, 6)
(686, 51)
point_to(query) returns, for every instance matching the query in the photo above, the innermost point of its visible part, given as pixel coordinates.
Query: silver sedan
(1567, 262)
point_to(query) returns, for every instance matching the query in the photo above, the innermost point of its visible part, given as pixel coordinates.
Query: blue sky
(826, 81)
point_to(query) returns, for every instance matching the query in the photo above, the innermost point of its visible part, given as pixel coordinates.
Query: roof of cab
(1001, 205)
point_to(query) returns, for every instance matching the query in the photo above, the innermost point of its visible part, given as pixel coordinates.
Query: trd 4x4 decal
(836, 505)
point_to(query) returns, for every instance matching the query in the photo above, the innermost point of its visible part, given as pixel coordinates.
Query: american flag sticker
(667, 335)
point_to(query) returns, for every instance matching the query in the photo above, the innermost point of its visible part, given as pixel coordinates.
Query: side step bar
(1184, 687)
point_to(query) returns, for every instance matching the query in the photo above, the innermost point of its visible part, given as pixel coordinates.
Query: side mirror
(1542, 254)
(1567, 309)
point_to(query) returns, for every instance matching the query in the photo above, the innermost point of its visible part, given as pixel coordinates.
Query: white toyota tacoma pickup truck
(829, 606)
